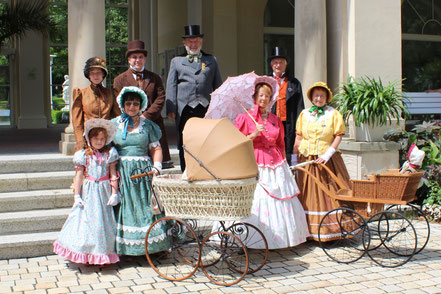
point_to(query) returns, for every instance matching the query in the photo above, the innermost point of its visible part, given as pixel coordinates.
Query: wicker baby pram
(210, 200)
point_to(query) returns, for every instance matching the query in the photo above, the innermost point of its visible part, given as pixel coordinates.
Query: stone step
(27, 245)
(39, 199)
(36, 181)
(32, 221)
(35, 163)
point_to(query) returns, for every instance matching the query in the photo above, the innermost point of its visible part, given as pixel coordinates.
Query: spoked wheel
(224, 258)
(419, 221)
(396, 239)
(182, 259)
(255, 243)
(343, 235)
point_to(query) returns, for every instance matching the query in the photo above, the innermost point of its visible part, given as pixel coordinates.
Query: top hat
(319, 85)
(135, 46)
(95, 62)
(278, 52)
(192, 31)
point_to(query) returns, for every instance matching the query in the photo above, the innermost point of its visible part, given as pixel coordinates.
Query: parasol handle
(150, 173)
(301, 164)
(246, 110)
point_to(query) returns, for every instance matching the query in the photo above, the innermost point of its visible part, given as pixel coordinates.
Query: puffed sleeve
(241, 124)
(78, 117)
(153, 130)
(113, 155)
(339, 124)
(79, 158)
(299, 124)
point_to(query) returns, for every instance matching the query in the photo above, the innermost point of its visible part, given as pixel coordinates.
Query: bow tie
(317, 110)
(138, 74)
(194, 57)
(279, 78)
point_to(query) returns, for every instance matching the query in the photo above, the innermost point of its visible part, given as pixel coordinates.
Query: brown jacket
(88, 104)
(151, 85)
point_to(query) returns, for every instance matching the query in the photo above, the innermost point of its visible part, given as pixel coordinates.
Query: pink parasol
(234, 96)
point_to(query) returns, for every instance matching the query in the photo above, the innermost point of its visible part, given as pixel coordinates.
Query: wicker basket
(211, 200)
(388, 186)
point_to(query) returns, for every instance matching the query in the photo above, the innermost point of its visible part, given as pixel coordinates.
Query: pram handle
(150, 173)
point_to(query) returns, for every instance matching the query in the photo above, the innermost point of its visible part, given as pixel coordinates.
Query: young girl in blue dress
(89, 234)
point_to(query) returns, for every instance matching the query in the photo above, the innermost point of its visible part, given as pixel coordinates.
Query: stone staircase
(35, 200)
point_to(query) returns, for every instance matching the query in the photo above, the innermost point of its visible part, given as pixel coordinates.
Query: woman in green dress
(137, 142)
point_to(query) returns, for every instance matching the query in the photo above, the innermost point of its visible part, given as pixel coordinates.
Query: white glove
(113, 200)
(157, 167)
(78, 202)
(328, 154)
(294, 159)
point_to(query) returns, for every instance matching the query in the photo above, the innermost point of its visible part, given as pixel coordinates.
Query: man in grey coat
(191, 79)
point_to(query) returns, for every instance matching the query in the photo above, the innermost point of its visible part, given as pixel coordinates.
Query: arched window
(279, 30)
(421, 35)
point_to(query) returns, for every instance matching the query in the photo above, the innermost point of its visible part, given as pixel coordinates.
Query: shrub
(59, 116)
(57, 102)
(427, 137)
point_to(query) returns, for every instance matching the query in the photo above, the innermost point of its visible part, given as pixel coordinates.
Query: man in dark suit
(191, 79)
(151, 84)
(290, 100)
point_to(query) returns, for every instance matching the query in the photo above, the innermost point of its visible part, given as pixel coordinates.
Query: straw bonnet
(136, 90)
(136, 46)
(319, 85)
(192, 31)
(100, 123)
(95, 62)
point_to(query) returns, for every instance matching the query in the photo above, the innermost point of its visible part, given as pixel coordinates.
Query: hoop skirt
(135, 214)
(88, 235)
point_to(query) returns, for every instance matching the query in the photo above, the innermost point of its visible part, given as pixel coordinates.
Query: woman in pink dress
(276, 211)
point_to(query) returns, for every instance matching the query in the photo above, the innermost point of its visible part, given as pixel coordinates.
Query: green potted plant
(371, 106)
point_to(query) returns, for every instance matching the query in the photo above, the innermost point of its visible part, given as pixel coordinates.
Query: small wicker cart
(391, 236)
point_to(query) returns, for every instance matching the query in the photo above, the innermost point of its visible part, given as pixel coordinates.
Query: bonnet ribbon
(126, 119)
(318, 110)
(97, 156)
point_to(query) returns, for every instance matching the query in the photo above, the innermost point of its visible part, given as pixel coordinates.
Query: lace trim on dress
(145, 158)
(272, 166)
(154, 144)
(134, 131)
(132, 242)
(131, 229)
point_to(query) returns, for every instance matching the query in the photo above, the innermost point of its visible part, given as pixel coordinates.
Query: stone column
(365, 40)
(33, 81)
(310, 43)
(86, 38)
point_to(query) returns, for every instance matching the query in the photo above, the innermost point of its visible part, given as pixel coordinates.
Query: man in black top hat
(290, 100)
(191, 79)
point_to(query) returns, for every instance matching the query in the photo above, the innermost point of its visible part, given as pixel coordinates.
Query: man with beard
(191, 79)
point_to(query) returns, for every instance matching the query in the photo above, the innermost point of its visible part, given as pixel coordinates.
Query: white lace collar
(137, 130)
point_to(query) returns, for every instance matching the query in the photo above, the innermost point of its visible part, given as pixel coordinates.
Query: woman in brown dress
(94, 101)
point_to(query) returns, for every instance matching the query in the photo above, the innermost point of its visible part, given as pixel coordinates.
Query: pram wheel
(419, 221)
(182, 259)
(224, 258)
(343, 235)
(393, 238)
(251, 238)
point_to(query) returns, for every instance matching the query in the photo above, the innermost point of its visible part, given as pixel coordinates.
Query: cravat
(317, 110)
(194, 57)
